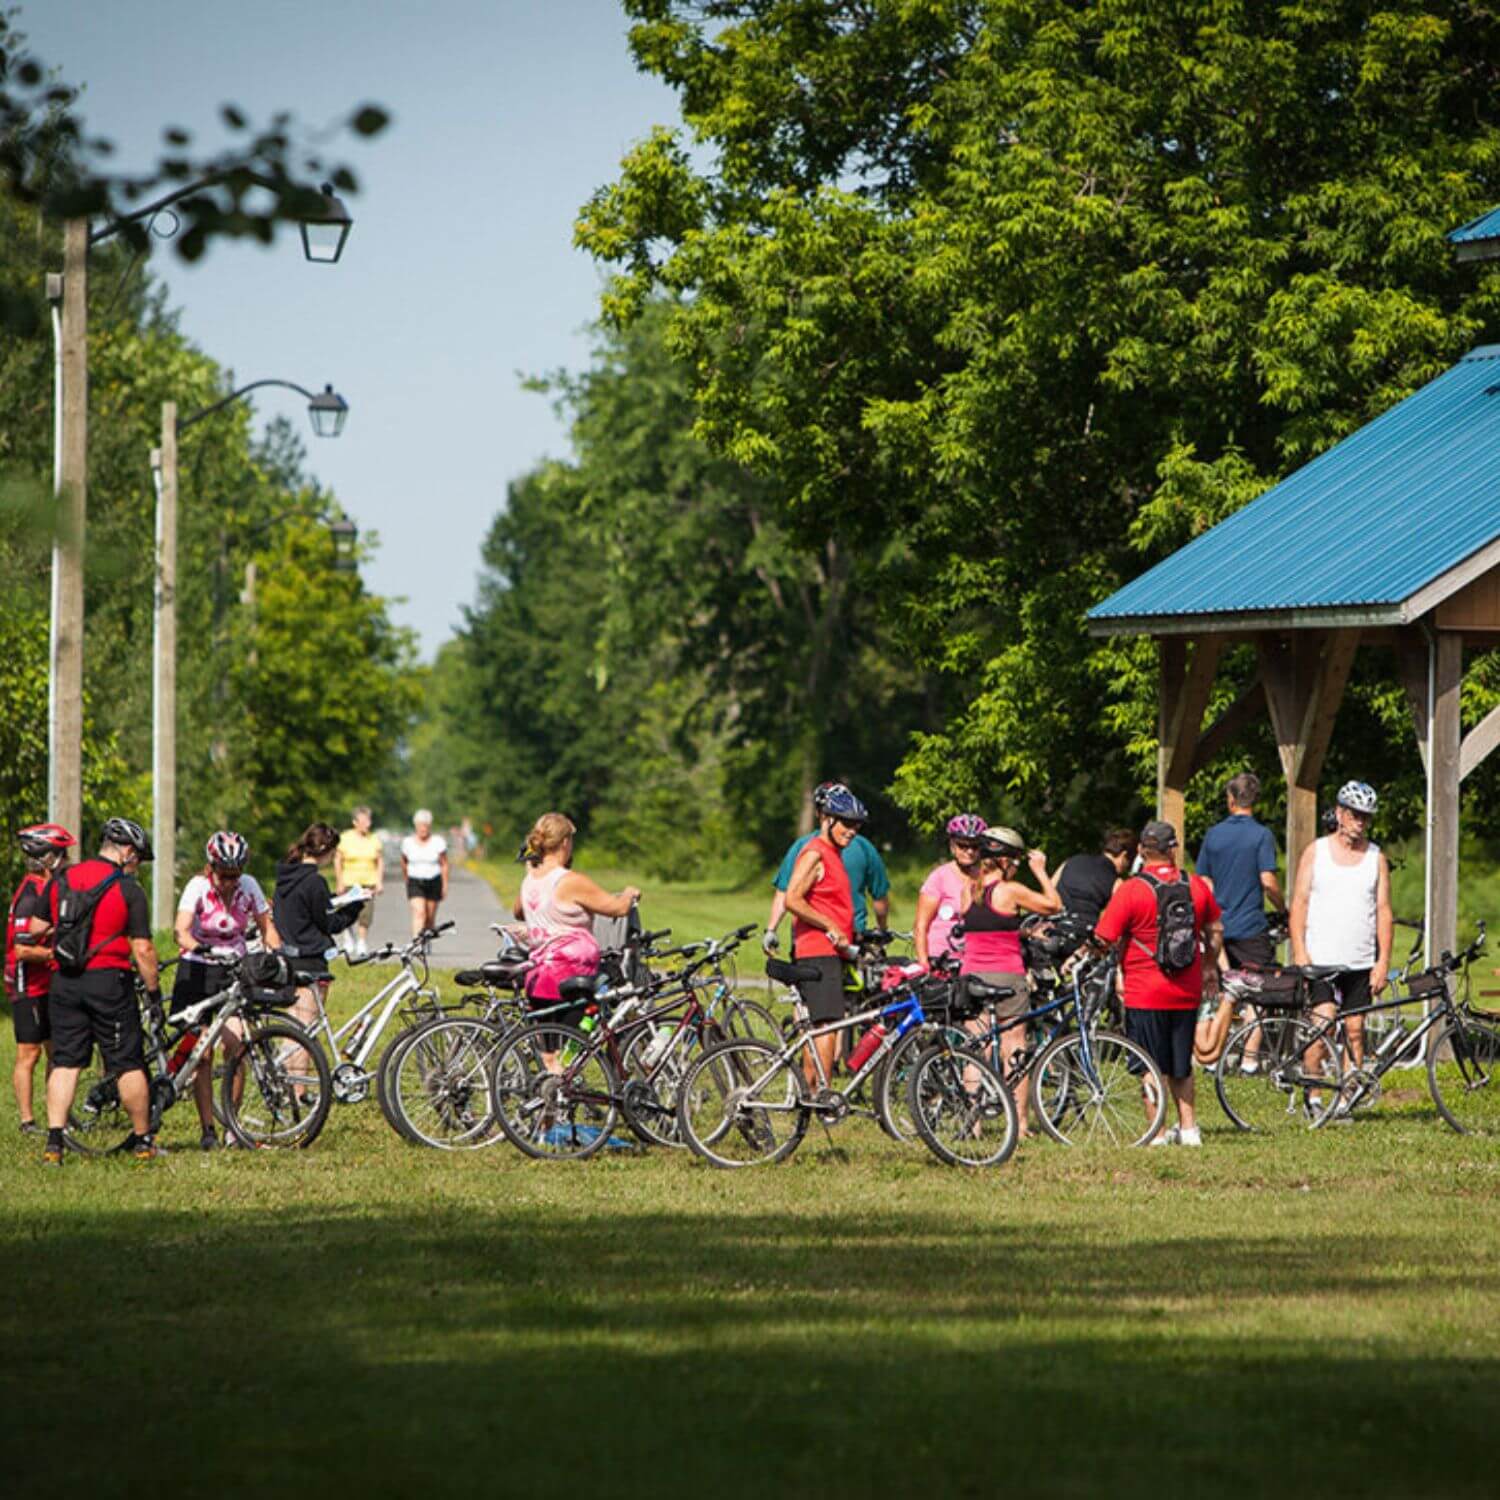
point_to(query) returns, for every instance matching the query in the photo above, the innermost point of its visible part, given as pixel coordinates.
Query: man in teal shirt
(863, 864)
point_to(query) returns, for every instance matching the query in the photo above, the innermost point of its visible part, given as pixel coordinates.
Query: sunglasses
(969, 844)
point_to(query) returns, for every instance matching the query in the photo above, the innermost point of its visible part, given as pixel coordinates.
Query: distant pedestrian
(1341, 911)
(360, 860)
(1087, 881)
(424, 866)
(1165, 922)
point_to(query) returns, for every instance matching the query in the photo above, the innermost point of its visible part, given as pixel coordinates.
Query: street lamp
(345, 536)
(323, 238)
(327, 412)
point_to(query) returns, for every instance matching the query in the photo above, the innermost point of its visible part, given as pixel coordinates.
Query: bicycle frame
(1379, 1061)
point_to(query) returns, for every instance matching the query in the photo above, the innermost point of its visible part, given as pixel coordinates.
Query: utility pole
(164, 676)
(70, 486)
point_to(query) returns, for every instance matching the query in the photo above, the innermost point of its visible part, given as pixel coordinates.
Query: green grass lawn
(1290, 1317)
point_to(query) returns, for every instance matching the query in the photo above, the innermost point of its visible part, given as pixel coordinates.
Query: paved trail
(471, 903)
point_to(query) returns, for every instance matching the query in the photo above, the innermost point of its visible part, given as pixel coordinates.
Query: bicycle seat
(793, 973)
(495, 972)
(579, 987)
(979, 990)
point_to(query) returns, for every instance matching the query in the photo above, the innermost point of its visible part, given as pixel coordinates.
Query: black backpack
(75, 919)
(1176, 924)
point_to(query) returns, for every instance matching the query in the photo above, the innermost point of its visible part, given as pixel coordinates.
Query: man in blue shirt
(1238, 857)
(862, 863)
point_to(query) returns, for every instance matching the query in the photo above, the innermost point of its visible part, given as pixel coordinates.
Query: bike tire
(1286, 1090)
(1463, 1076)
(651, 1094)
(269, 1098)
(719, 1125)
(97, 1120)
(1097, 1100)
(441, 1084)
(564, 1115)
(390, 1059)
(889, 1082)
(750, 1020)
(963, 1112)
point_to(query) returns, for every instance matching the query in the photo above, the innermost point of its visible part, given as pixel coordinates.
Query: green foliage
(1001, 300)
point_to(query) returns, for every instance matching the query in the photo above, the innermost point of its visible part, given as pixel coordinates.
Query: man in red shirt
(97, 1007)
(1161, 1005)
(28, 958)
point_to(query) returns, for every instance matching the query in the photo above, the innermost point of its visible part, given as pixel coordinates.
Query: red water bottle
(866, 1048)
(183, 1052)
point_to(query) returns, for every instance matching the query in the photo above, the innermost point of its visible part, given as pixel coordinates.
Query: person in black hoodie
(304, 912)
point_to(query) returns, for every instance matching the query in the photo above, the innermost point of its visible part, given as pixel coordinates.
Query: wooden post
(164, 681)
(1442, 873)
(1187, 682)
(70, 482)
(1172, 658)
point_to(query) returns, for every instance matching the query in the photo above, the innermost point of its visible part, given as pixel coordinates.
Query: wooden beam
(1478, 743)
(1285, 696)
(1230, 724)
(1187, 715)
(1172, 665)
(1442, 874)
(1327, 674)
(1411, 665)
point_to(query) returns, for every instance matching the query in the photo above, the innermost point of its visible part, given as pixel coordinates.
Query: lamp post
(327, 411)
(324, 233)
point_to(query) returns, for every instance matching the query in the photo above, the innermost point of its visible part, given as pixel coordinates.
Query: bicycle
(746, 1102)
(1308, 1085)
(263, 1101)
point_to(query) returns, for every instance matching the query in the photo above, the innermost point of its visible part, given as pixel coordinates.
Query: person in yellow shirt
(360, 860)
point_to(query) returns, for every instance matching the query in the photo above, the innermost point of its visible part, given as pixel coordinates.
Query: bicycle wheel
(1109, 1093)
(1463, 1072)
(890, 1082)
(97, 1122)
(441, 1085)
(963, 1112)
(743, 1104)
(745, 1018)
(276, 1090)
(555, 1105)
(385, 1085)
(1277, 1072)
(652, 1088)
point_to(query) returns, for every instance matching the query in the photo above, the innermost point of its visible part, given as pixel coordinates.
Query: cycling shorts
(1353, 989)
(425, 890)
(96, 1008)
(824, 996)
(32, 1019)
(195, 982)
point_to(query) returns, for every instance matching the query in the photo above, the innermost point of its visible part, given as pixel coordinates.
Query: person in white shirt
(424, 866)
(1341, 911)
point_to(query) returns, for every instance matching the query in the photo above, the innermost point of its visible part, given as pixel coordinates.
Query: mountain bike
(747, 1102)
(264, 1102)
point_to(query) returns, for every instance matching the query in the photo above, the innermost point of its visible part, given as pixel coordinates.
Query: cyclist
(558, 904)
(218, 910)
(1161, 1004)
(992, 908)
(867, 875)
(28, 959)
(1087, 881)
(360, 860)
(97, 1006)
(940, 901)
(821, 902)
(424, 864)
(1341, 911)
(303, 911)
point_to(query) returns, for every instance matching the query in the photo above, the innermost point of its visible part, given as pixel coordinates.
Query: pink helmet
(966, 826)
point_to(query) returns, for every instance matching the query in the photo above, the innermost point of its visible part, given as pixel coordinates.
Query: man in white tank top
(1341, 909)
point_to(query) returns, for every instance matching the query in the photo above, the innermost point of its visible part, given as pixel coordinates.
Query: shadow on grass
(530, 1353)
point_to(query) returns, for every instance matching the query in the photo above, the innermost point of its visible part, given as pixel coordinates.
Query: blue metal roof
(1485, 227)
(1367, 524)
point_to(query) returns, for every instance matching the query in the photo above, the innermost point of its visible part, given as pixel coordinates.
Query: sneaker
(146, 1149)
(208, 1142)
(1250, 1066)
(30, 1127)
(1189, 1137)
(52, 1156)
(1172, 1137)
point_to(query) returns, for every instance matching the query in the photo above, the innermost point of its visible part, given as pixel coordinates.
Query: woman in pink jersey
(941, 899)
(558, 906)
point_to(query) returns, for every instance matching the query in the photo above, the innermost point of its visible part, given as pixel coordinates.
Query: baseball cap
(1159, 835)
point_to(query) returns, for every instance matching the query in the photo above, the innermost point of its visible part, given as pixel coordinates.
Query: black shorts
(428, 890)
(1166, 1036)
(31, 1018)
(1257, 952)
(1353, 987)
(824, 996)
(195, 982)
(96, 1008)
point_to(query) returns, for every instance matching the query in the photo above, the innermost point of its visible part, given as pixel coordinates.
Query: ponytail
(548, 834)
(317, 839)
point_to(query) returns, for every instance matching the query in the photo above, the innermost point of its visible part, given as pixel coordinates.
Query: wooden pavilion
(1390, 539)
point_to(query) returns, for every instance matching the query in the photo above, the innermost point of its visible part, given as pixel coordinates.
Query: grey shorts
(1019, 1003)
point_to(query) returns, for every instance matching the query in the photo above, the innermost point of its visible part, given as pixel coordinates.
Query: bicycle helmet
(1357, 796)
(823, 791)
(228, 851)
(127, 834)
(1002, 843)
(966, 826)
(42, 839)
(843, 804)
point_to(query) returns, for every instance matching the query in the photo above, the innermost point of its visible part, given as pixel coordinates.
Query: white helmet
(1357, 796)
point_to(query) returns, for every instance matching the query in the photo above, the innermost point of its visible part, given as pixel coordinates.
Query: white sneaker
(1172, 1137)
(1189, 1137)
(364, 949)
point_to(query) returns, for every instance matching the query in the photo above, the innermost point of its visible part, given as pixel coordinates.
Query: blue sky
(459, 275)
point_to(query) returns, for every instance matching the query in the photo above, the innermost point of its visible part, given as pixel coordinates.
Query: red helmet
(42, 839)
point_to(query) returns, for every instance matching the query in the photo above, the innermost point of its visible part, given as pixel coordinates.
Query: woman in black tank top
(1087, 881)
